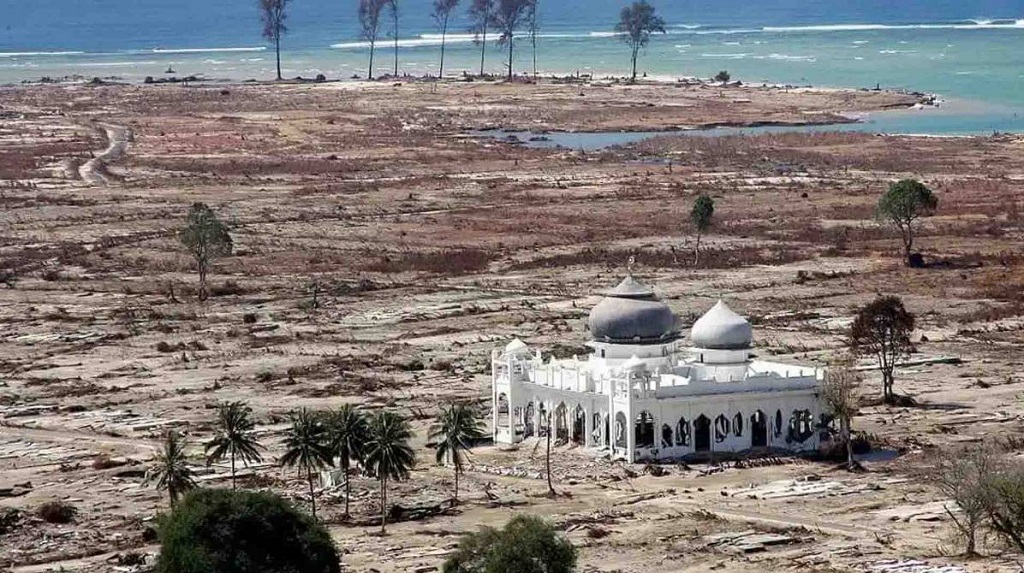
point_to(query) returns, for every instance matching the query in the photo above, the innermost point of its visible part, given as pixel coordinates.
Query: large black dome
(631, 314)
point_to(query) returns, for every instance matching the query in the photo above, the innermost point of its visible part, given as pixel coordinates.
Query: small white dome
(516, 347)
(721, 329)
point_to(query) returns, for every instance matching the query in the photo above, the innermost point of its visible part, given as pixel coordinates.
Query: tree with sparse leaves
(307, 448)
(841, 394)
(636, 24)
(369, 24)
(527, 544)
(235, 437)
(442, 15)
(701, 217)
(480, 15)
(171, 471)
(882, 329)
(509, 16)
(206, 238)
(274, 14)
(457, 428)
(393, 10)
(965, 476)
(347, 433)
(388, 455)
(906, 202)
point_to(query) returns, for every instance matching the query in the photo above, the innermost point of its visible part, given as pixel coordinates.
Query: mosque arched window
(737, 424)
(683, 432)
(645, 430)
(666, 436)
(721, 428)
(778, 423)
(801, 426)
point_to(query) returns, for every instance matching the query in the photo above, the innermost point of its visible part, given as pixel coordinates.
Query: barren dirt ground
(431, 248)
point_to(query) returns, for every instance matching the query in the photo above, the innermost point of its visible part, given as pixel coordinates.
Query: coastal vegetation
(527, 544)
(274, 13)
(457, 429)
(882, 330)
(170, 471)
(636, 24)
(307, 448)
(902, 206)
(701, 217)
(442, 14)
(508, 17)
(388, 455)
(369, 24)
(207, 239)
(228, 531)
(235, 438)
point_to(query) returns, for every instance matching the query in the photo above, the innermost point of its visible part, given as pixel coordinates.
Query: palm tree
(388, 455)
(347, 429)
(308, 448)
(457, 427)
(234, 437)
(171, 471)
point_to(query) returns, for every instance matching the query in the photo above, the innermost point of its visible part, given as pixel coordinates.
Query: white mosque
(645, 394)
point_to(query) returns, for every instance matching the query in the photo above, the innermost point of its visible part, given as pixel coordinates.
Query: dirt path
(94, 171)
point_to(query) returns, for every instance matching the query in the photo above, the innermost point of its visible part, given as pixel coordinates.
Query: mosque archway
(561, 423)
(528, 429)
(579, 425)
(620, 431)
(683, 432)
(545, 421)
(702, 434)
(503, 410)
(758, 430)
(666, 436)
(598, 435)
(644, 430)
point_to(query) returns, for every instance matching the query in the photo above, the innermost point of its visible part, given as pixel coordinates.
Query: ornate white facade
(644, 394)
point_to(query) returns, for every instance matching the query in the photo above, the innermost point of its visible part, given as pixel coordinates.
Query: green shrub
(225, 531)
(526, 545)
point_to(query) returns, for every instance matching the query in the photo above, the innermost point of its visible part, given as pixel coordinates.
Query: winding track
(93, 171)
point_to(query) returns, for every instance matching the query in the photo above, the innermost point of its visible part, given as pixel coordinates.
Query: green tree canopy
(346, 433)
(307, 448)
(235, 438)
(526, 545)
(388, 455)
(701, 217)
(171, 471)
(457, 428)
(229, 531)
(636, 24)
(906, 202)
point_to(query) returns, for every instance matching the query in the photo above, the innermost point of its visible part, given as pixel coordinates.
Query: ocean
(970, 53)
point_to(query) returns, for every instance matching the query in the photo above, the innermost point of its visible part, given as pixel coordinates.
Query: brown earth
(431, 248)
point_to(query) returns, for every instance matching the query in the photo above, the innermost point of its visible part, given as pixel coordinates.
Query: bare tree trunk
(696, 251)
(456, 485)
(547, 458)
(396, 41)
(444, 34)
(635, 51)
(511, 41)
(203, 295)
(369, 74)
(849, 442)
(348, 488)
(383, 505)
(233, 471)
(483, 48)
(277, 42)
(312, 498)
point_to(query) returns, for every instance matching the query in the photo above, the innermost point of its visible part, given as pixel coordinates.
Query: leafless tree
(841, 393)
(965, 476)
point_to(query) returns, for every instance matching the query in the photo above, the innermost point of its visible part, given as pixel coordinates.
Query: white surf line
(93, 171)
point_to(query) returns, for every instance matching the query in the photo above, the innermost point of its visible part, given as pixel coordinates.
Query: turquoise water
(965, 51)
